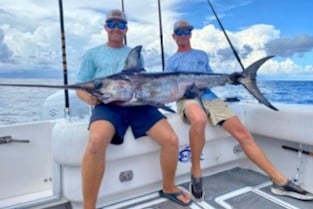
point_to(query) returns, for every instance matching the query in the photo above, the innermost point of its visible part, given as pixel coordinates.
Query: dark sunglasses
(182, 32)
(120, 25)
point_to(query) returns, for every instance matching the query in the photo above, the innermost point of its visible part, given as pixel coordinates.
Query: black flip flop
(173, 197)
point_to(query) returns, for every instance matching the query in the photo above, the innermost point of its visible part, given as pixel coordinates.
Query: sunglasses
(182, 32)
(119, 25)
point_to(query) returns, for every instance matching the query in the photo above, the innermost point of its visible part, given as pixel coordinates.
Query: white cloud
(5, 53)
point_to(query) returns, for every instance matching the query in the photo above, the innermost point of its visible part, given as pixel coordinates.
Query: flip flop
(173, 197)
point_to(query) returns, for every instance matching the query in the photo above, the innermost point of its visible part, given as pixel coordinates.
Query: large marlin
(134, 86)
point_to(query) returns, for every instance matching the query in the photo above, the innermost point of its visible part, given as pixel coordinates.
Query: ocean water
(276, 91)
(19, 105)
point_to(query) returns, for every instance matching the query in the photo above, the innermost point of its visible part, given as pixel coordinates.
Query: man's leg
(164, 134)
(252, 150)
(198, 120)
(281, 185)
(93, 163)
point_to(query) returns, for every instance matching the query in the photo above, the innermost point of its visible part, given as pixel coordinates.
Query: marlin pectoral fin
(164, 107)
(158, 105)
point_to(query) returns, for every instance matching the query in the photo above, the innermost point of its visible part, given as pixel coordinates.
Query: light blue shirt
(192, 61)
(102, 61)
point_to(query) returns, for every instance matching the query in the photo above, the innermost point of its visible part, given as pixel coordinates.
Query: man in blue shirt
(188, 59)
(109, 122)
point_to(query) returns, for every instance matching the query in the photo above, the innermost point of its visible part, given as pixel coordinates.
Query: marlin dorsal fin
(134, 60)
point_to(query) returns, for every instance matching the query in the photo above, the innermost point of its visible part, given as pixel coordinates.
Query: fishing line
(228, 40)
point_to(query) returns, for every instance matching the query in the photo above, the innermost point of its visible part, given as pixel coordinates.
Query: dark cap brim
(187, 27)
(117, 19)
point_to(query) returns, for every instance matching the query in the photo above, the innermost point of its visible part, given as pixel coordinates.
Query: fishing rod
(123, 10)
(65, 77)
(297, 150)
(9, 139)
(161, 34)
(228, 40)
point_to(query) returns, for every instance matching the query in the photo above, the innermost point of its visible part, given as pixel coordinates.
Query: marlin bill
(133, 86)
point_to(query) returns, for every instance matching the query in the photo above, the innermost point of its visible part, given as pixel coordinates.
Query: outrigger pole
(229, 42)
(161, 34)
(65, 77)
(123, 10)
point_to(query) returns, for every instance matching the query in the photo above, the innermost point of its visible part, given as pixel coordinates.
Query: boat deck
(236, 188)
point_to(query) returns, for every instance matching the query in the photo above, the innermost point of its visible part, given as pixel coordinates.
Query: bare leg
(198, 121)
(93, 163)
(164, 134)
(252, 150)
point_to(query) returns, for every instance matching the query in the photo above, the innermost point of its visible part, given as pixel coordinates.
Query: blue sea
(19, 105)
(276, 91)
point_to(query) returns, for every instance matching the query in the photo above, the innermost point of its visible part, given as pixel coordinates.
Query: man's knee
(199, 123)
(172, 140)
(244, 137)
(97, 144)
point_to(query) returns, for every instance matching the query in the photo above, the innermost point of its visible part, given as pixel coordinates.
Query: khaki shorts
(217, 110)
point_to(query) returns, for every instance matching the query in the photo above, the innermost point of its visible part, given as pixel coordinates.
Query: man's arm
(88, 98)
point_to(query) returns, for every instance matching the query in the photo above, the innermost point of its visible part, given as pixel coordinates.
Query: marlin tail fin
(248, 80)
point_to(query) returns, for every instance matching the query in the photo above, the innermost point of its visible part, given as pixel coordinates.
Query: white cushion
(69, 139)
(290, 123)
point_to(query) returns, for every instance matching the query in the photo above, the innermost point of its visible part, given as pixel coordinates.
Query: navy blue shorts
(139, 118)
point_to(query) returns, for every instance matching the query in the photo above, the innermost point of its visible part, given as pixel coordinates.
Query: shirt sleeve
(169, 66)
(86, 71)
(207, 64)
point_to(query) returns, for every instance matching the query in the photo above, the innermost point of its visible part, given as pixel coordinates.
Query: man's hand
(234, 77)
(88, 98)
(192, 92)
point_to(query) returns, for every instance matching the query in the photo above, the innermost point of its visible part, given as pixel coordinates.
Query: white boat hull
(47, 169)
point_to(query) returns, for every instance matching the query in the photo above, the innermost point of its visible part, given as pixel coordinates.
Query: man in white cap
(188, 59)
(109, 122)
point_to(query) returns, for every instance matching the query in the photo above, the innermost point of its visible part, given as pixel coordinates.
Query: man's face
(116, 30)
(182, 36)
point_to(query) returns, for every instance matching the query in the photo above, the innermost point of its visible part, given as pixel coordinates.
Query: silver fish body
(164, 88)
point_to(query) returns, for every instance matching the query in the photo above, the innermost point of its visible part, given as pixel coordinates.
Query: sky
(30, 33)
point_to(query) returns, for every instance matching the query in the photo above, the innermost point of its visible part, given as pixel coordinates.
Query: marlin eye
(98, 84)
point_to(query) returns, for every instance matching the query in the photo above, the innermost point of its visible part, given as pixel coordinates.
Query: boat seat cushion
(69, 139)
(290, 123)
